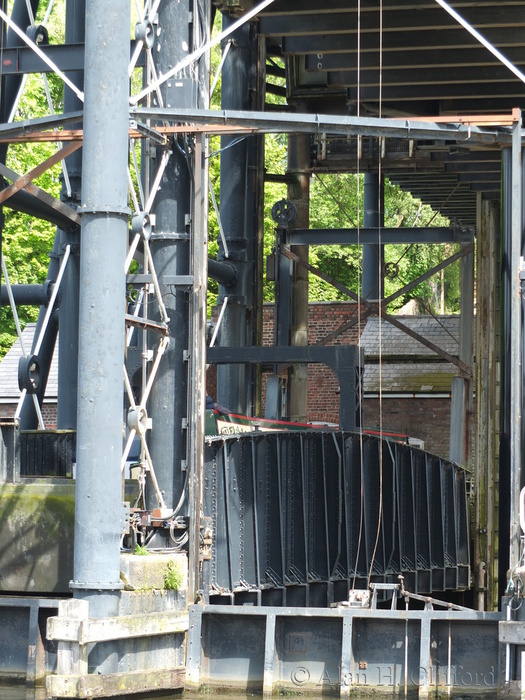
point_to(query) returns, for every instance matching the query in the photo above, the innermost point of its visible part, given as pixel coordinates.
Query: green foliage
(336, 201)
(27, 241)
(141, 550)
(174, 577)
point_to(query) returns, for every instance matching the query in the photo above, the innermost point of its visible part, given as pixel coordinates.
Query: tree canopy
(336, 201)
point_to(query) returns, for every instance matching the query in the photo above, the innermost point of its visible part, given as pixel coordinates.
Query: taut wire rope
(359, 354)
(380, 316)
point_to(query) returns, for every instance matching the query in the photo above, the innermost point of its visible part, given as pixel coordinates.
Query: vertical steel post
(373, 216)
(515, 347)
(234, 382)
(299, 195)
(197, 401)
(98, 507)
(505, 371)
(459, 429)
(170, 248)
(68, 323)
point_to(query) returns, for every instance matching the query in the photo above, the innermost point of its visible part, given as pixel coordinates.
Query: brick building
(410, 383)
(414, 384)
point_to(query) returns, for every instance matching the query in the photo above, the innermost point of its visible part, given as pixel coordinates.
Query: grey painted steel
(27, 294)
(22, 59)
(299, 196)
(69, 304)
(98, 502)
(25, 652)
(197, 399)
(333, 124)
(461, 386)
(170, 248)
(295, 518)
(28, 416)
(22, 201)
(344, 651)
(372, 284)
(342, 359)
(237, 210)
(224, 272)
(368, 235)
(515, 347)
(505, 357)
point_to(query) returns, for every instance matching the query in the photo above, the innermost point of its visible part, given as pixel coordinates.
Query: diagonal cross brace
(25, 180)
(379, 309)
(426, 275)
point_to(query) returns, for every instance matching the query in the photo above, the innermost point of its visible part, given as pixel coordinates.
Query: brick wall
(323, 387)
(425, 418)
(49, 413)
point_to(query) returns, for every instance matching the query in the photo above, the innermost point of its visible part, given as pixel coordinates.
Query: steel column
(234, 384)
(373, 217)
(197, 400)
(98, 506)
(68, 323)
(515, 347)
(28, 416)
(299, 195)
(170, 247)
(505, 372)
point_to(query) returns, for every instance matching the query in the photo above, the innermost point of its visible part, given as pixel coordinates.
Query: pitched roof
(407, 366)
(443, 331)
(9, 391)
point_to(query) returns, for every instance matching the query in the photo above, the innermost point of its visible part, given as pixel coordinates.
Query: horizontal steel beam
(425, 91)
(342, 359)
(412, 42)
(416, 76)
(323, 7)
(391, 20)
(334, 124)
(400, 59)
(68, 57)
(387, 236)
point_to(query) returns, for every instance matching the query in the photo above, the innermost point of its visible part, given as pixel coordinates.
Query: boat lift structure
(426, 93)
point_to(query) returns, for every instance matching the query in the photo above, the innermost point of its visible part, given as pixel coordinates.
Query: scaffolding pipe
(98, 502)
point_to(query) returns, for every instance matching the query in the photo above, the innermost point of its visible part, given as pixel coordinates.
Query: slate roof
(9, 391)
(443, 331)
(407, 366)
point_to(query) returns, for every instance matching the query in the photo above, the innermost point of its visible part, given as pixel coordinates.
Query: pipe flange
(141, 224)
(138, 420)
(144, 32)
